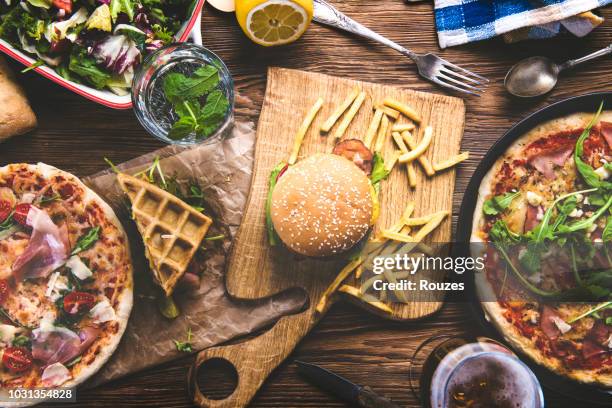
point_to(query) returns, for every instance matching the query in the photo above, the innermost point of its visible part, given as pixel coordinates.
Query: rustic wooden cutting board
(256, 270)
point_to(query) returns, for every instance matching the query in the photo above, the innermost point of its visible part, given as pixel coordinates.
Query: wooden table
(75, 134)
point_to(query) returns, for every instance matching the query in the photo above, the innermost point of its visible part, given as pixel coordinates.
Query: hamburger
(323, 205)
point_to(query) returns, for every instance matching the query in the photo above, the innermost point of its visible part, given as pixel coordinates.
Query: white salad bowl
(189, 30)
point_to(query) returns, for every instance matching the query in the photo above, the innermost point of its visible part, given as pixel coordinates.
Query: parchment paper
(223, 170)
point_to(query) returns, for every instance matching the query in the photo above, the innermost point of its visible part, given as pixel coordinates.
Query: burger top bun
(322, 206)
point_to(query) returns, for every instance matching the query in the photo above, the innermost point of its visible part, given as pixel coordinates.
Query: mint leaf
(182, 128)
(212, 114)
(188, 108)
(179, 87)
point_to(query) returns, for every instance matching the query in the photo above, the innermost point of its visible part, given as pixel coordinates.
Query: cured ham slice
(531, 217)
(548, 323)
(52, 344)
(606, 131)
(545, 162)
(47, 250)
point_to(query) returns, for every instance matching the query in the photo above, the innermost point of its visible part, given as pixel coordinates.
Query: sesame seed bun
(322, 206)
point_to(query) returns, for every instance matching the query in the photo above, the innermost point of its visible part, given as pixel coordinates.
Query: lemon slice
(274, 22)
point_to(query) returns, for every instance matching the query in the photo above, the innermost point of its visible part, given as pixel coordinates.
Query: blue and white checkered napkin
(463, 21)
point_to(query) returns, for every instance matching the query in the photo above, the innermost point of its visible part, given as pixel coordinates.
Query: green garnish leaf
(498, 204)
(185, 346)
(22, 341)
(74, 361)
(49, 199)
(87, 240)
(379, 171)
(273, 237)
(605, 305)
(215, 237)
(37, 64)
(586, 171)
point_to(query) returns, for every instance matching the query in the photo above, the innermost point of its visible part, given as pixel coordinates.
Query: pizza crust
(494, 312)
(125, 299)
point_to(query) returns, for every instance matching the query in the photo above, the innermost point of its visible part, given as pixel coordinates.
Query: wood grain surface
(75, 134)
(257, 270)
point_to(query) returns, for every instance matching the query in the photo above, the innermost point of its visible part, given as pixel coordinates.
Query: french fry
(399, 293)
(423, 160)
(453, 161)
(397, 138)
(391, 163)
(435, 221)
(371, 300)
(412, 181)
(331, 121)
(299, 138)
(406, 110)
(382, 134)
(350, 115)
(344, 273)
(396, 236)
(359, 271)
(415, 222)
(374, 125)
(402, 127)
(418, 149)
(390, 112)
(401, 223)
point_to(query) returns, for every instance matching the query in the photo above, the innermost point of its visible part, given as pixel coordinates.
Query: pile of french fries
(402, 122)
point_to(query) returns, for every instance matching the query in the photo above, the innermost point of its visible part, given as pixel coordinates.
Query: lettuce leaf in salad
(122, 6)
(84, 66)
(45, 4)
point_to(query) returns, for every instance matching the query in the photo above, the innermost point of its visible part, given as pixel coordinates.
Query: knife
(355, 394)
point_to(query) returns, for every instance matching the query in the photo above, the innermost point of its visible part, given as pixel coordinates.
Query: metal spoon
(536, 76)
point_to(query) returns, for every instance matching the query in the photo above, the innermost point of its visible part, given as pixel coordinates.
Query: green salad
(93, 42)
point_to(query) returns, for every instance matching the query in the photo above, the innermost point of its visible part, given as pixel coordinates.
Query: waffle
(171, 229)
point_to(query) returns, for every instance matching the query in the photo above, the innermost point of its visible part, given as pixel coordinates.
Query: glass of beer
(461, 372)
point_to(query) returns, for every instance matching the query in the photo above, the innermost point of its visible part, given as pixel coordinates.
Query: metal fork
(430, 66)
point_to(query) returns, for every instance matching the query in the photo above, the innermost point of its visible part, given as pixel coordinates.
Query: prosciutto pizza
(544, 218)
(65, 279)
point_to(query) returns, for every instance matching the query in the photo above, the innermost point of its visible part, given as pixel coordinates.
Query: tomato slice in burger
(17, 359)
(78, 302)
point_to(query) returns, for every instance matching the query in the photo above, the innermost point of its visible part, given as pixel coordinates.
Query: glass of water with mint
(184, 94)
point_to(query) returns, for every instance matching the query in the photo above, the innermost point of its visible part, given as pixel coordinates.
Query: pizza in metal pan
(543, 221)
(65, 279)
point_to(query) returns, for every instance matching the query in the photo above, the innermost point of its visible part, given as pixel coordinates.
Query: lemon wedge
(274, 22)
